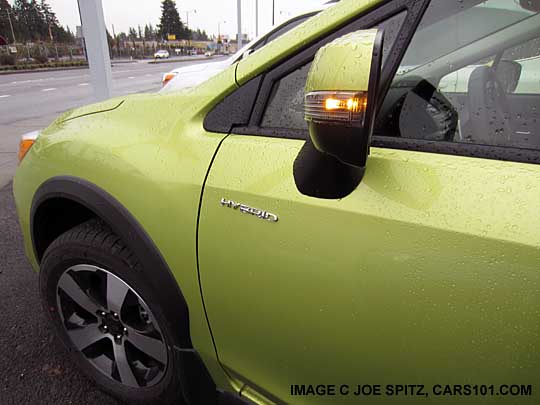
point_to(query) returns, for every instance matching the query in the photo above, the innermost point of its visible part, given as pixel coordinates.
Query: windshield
(275, 33)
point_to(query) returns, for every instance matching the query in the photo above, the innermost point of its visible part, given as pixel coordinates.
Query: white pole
(239, 5)
(95, 36)
(256, 18)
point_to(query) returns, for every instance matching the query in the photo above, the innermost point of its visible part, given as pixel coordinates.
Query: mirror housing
(341, 96)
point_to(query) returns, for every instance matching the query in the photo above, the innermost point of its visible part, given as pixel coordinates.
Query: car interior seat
(490, 115)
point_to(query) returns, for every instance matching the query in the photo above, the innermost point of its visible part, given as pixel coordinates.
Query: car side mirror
(341, 96)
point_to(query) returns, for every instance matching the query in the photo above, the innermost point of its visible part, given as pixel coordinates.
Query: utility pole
(95, 37)
(11, 25)
(256, 18)
(219, 28)
(116, 41)
(239, 7)
(47, 21)
(187, 25)
(273, 12)
(219, 34)
(187, 16)
(50, 29)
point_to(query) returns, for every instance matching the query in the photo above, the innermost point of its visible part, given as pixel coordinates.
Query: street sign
(171, 37)
(12, 49)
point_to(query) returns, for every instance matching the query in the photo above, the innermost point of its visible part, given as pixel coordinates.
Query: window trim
(468, 150)
(414, 13)
(383, 11)
(388, 9)
(397, 52)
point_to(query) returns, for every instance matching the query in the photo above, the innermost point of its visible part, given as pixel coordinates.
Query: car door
(426, 274)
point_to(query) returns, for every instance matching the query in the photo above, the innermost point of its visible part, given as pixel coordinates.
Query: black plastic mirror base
(319, 175)
(347, 143)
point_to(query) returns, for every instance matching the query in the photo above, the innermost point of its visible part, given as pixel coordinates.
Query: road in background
(30, 101)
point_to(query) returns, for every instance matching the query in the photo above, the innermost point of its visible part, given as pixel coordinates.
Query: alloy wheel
(111, 326)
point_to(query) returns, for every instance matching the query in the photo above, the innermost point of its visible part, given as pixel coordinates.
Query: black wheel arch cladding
(123, 224)
(118, 218)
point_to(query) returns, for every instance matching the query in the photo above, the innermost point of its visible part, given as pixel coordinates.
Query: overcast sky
(126, 13)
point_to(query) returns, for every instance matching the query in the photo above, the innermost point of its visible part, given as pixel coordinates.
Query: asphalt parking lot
(34, 368)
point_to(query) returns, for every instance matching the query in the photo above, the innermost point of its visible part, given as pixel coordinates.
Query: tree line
(170, 24)
(151, 33)
(31, 21)
(35, 21)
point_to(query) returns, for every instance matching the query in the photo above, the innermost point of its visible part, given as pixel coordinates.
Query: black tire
(94, 244)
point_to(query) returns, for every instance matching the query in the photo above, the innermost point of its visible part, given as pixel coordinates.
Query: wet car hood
(104, 106)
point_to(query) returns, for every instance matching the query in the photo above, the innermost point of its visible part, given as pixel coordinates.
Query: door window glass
(527, 55)
(285, 108)
(471, 75)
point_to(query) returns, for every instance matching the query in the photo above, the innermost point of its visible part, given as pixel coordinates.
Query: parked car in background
(319, 223)
(162, 54)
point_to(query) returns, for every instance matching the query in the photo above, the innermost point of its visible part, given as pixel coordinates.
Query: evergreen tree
(170, 23)
(31, 25)
(54, 31)
(110, 39)
(36, 22)
(141, 37)
(147, 34)
(121, 40)
(6, 13)
(20, 10)
(63, 35)
(70, 36)
(51, 22)
(132, 35)
(33, 20)
(200, 35)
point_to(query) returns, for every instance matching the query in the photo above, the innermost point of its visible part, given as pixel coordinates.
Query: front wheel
(93, 288)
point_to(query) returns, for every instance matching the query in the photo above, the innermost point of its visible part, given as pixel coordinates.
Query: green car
(320, 223)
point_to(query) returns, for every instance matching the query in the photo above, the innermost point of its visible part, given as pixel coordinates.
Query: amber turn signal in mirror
(343, 106)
